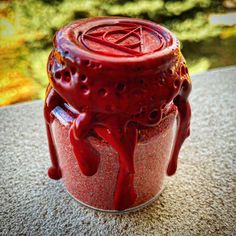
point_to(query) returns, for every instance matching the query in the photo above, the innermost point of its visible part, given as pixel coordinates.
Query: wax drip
(183, 131)
(183, 124)
(123, 139)
(51, 101)
(88, 157)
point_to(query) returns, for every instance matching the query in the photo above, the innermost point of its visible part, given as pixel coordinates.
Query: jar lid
(117, 65)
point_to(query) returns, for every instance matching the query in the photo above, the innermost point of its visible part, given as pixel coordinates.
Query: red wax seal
(120, 75)
(123, 39)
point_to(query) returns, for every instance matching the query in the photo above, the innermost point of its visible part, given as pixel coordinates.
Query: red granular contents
(151, 158)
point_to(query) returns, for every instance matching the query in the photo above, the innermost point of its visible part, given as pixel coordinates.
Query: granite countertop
(199, 200)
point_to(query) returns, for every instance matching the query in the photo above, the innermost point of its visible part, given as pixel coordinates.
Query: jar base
(133, 209)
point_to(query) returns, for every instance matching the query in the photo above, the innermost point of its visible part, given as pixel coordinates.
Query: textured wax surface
(200, 199)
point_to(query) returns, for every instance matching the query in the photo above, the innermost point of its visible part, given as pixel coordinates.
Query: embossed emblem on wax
(124, 39)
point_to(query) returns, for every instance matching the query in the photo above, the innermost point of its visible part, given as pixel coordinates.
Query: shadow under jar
(116, 110)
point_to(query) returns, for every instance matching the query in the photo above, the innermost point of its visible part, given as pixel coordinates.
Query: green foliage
(179, 7)
(135, 8)
(195, 29)
(27, 28)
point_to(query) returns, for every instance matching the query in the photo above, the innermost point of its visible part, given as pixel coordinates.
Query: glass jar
(116, 110)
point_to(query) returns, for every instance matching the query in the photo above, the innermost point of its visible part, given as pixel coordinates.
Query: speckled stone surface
(199, 200)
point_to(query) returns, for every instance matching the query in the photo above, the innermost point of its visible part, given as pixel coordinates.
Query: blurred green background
(206, 29)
